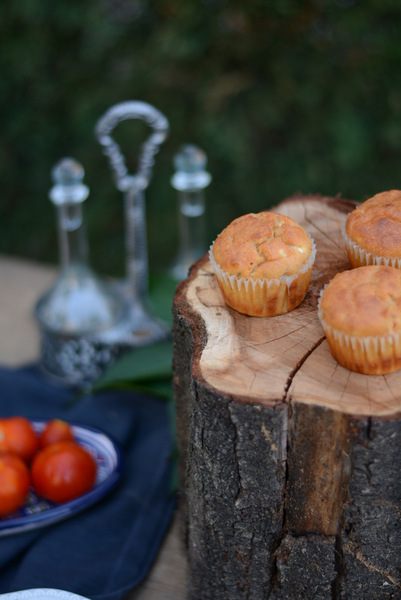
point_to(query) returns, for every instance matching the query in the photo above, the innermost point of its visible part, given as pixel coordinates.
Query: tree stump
(290, 463)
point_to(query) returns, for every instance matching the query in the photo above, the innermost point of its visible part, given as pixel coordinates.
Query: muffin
(360, 311)
(372, 232)
(263, 263)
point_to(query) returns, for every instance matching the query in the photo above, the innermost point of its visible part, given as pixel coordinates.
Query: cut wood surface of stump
(290, 463)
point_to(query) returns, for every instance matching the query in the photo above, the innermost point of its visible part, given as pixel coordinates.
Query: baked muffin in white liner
(265, 297)
(359, 257)
(369, 355)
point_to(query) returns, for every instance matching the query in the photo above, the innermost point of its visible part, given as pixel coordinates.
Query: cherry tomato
(17, 435)
(63, 471)
(14, 483)
(56, 431)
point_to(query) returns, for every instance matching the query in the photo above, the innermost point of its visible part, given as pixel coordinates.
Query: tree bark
(290, 464)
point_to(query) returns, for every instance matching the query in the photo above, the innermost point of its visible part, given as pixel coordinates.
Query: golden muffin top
(376, 224)
(262, 245)
(364, 301)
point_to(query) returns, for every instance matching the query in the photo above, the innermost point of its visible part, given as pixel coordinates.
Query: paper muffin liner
(370, 355)
(359, 257)
(264, 297)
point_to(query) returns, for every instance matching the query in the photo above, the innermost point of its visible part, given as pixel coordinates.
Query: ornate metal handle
(121, 112)
(142, 325)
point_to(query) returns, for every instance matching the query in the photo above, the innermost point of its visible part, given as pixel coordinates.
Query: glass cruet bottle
(78, 313)
(190, 179)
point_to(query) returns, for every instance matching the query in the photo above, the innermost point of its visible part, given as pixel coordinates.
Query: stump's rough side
(290, 464)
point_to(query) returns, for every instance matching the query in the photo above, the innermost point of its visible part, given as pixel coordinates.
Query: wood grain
(267, 360)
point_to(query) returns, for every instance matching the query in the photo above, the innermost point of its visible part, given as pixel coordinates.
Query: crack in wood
(338, 564)
(345, 386)
(251, 384)
(323, 233)
(389, 388)
(235, 442)
(396, 508)
(297, 367)
(248, 567)
(353, 549)
(255, 344)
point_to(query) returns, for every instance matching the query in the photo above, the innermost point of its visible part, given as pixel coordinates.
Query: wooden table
(22, 283)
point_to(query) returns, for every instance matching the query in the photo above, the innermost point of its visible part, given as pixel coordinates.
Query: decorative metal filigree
(143, 327)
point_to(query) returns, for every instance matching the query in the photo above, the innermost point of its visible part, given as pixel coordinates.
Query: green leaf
(161, 388)
(161, 295)
(145, 368)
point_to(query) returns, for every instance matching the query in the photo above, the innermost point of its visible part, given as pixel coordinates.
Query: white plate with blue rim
(38, 512)
(42, 594)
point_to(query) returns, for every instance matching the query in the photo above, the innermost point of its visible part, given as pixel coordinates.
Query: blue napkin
(106, 550)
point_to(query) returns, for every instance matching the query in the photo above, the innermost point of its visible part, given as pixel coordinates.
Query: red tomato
(63, 471)
(56, 431)
(14, 483)
(18, 436)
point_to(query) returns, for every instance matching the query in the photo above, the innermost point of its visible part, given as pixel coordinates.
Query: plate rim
(52, 593)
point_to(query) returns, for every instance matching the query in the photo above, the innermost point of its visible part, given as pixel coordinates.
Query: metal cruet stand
(140, 327)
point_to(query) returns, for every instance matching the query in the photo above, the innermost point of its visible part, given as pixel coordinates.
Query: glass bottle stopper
(77, 314)
(190, 179)
(141, 326)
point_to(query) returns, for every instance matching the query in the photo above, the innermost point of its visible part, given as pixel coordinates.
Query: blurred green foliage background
(284, 97)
